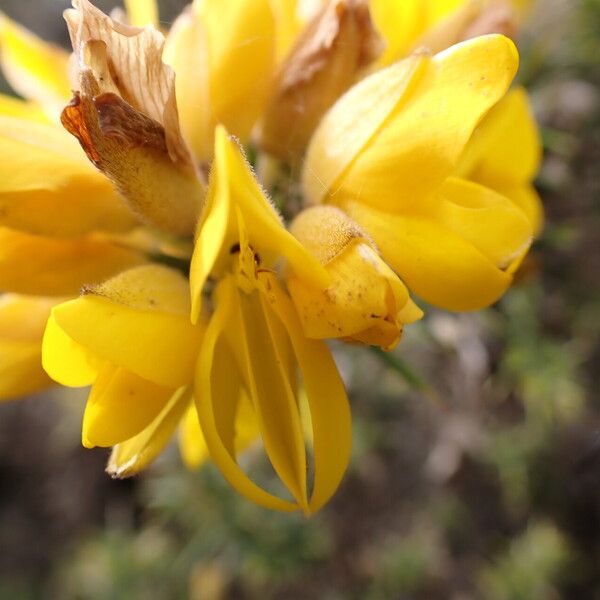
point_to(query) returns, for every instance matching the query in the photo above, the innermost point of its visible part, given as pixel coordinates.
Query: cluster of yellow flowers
(139, 253)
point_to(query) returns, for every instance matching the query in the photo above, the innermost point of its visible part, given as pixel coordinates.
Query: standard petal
(135, 454)
(158, 345)
(232, 183)
(120, 406)
(435, 263)
(352, 121)
(410, 147)
(35, 69)
(22, 322)
(32, 264)
(420, 145)
(210, 400)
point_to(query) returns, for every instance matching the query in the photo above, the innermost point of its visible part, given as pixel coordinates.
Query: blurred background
(479, 479)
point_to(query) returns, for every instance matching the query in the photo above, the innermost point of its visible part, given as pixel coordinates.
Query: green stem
(407, 373)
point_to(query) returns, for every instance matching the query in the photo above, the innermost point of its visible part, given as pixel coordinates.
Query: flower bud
(224, 57)
(338, 42)
(365, 301)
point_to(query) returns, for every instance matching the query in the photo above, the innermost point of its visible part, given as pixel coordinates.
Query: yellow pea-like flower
(415, 182)
(387, 153)
(254, 344)
(365, 301)
(131, 339)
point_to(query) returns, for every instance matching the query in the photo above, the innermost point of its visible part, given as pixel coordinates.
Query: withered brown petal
(324, 62)
(133, 68)
(131, 150)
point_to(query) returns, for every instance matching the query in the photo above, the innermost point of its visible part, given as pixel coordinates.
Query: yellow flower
(365, 300)
(254, 343)
(387, 154)
(131, 339)
(411, 173)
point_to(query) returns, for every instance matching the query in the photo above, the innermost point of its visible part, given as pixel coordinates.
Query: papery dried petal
(322, 65)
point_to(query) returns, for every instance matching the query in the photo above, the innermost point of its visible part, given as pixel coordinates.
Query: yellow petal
(65, 361)
(120, 406)
(364, 297)
(352, 121)
(273, 397)
(435, 263)
(142, 12)
(192, 446)
(416, 143)
(222, 78)
(528, 200)
(403, 23)
(35, 69)
(48, 187)
(287, 25)
(141, 329)
(506, 147)
(211, 402)
(15, 107)
(22, 322)
(133, 455)
(37, 265)
(487, 220)
(232, 183)
(328, 403)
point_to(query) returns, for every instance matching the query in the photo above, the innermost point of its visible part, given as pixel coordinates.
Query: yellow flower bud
(338, 42)
(224, 57)
(365, 301)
